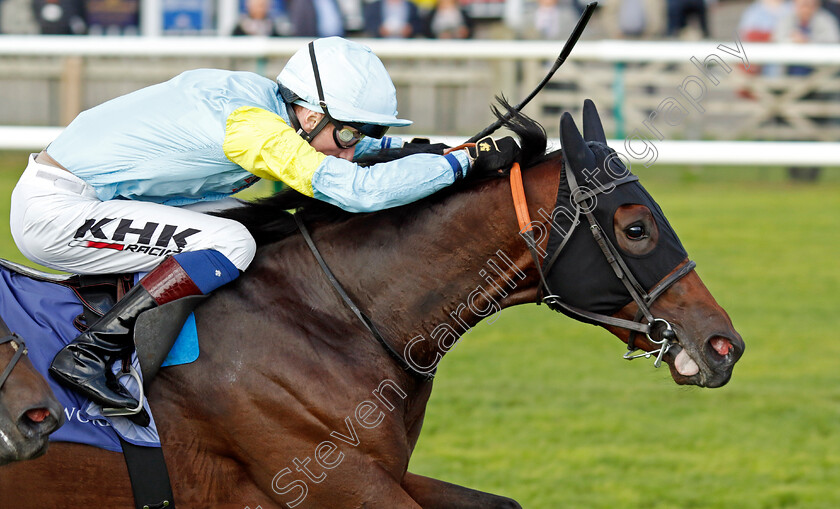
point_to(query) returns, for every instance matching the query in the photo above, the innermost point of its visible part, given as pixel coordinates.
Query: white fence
(612, 51)
(729, 153)
(446, 87)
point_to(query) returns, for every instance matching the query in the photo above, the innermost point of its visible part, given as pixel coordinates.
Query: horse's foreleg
(433, 494)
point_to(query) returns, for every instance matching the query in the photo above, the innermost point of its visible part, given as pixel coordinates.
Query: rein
(643, 299)
(17, 344)
(425, 377)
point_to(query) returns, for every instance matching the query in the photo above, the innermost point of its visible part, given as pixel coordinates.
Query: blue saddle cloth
(42, 314)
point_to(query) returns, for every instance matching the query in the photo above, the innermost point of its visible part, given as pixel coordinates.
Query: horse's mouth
(712, 367)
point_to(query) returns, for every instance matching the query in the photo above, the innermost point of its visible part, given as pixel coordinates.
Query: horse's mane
(269, 219)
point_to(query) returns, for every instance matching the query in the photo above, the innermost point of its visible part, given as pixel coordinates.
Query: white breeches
(57, 221)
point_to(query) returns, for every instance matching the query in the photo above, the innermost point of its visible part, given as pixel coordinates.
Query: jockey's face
(324, 142)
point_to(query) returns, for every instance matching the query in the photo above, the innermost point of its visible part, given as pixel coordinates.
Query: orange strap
(517, 189)
(459, 147)
(519, 203)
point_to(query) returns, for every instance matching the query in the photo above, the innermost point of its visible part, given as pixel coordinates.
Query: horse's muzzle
(714, 362)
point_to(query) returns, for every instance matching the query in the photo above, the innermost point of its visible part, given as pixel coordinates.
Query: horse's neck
(427, 274)
(430, 270)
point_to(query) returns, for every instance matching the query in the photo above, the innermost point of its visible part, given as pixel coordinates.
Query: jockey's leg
(83, 365)
(58, 221)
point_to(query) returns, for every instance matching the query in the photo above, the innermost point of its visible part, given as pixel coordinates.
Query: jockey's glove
(424, 146)
(490, 154)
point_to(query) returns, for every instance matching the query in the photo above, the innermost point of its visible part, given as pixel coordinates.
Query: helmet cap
(356, 86)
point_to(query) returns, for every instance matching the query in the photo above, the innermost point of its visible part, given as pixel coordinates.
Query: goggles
(347, 134)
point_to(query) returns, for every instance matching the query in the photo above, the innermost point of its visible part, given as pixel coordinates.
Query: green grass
(542, 409)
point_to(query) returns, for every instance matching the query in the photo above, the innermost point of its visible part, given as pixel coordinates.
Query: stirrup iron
(122, 412)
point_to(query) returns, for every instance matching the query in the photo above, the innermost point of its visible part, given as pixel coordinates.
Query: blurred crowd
(761, 20)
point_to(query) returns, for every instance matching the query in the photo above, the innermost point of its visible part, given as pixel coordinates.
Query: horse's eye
(635, 232)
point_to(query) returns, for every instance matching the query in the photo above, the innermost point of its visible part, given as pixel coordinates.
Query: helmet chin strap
(310, 135)
(306, 135)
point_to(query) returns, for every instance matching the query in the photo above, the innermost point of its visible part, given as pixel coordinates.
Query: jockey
(125, 186)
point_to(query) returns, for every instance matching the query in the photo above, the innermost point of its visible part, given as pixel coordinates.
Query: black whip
(567, 49)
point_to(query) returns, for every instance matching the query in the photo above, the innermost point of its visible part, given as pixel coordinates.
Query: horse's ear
(593, 130)
(575, 151)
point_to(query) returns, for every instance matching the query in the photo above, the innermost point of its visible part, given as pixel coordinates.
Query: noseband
(664, 333)
(17, 344)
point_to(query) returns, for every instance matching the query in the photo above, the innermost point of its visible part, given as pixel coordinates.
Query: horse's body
(293, 402)
(29, 411)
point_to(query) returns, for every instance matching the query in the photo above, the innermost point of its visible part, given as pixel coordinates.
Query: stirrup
(122, 412)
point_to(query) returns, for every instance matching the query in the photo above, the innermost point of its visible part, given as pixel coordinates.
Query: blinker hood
(582, 276)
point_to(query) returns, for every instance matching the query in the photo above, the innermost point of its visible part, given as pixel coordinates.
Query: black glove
(491, 155)
(423, 146)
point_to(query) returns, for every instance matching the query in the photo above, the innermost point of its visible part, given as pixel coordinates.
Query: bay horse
(293, 403)
(29, 411)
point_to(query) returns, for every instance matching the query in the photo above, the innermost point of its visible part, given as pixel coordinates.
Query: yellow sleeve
(264, 144)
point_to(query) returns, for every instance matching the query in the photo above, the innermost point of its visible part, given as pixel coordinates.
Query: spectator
(112, 17)
(315, 18)
(554, 19)
(351, 13)
(18, 17)
(392, 19)
(258, 20)
(449, 21)
(760, 19)
(680, 11)
(833, 7)
(757, 24)
(634, 19)
(805, 23)
(60, 17)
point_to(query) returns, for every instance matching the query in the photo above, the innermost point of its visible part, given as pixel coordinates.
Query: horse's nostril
(37, 415)
(721, 345)
(38, 422)
(724, 350)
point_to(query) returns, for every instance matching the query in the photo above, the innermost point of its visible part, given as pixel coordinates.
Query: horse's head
(613, 259)
(29, 411)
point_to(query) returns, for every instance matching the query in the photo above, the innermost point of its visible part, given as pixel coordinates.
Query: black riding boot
(85, 364)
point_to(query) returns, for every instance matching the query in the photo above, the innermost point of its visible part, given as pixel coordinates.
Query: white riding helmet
(356, 86)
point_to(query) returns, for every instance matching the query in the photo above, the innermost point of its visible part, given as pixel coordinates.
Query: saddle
(155, 330)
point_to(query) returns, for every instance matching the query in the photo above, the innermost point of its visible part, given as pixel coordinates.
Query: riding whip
(567, 49)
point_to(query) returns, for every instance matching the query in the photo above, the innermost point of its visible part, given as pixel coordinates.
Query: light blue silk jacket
(207, 134)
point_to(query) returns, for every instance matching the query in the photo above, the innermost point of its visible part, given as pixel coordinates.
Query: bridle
(17, 343)
(658, 330)
(644, 299)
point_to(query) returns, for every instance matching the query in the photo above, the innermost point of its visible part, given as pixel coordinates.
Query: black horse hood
(582, 276)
